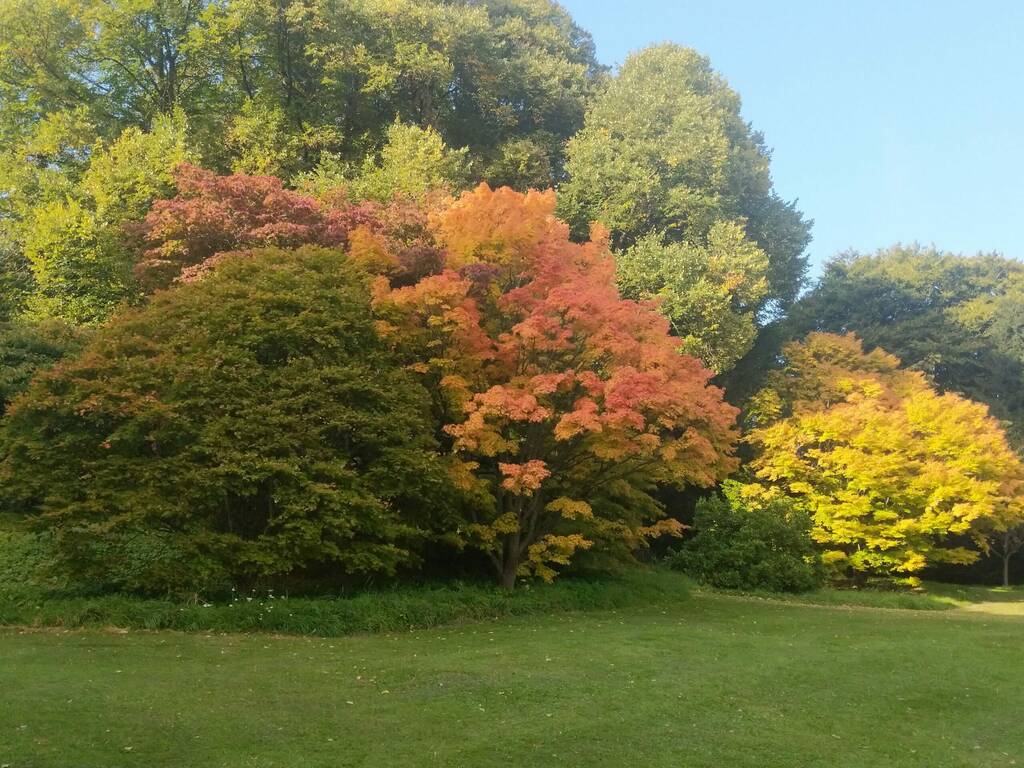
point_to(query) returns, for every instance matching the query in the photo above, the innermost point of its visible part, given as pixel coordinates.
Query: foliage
(68, 207)
(956, 318)
(761, 547)
(563, 404)
(326, 76)
(15, 279)
(248, 425)
(889, 468)
(124, 178)
(25, 559)
(26, 347)
(412, 162)
(398, 608)
(709, 293)
(665, 151)
(525, 163)
(185, 236)
(215, 214)
(81, 269)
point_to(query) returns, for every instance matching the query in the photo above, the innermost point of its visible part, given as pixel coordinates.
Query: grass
(26, 600)
(932, 597)
(372, 611)
(423, 607)
(709, 680)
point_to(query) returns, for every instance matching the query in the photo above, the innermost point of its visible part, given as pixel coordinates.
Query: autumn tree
(247, 426)
(665, 153)
(890, 469)
(956, 318)
(563, 405)
(182, 237)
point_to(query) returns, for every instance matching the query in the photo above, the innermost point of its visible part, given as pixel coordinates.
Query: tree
(15, 279)
(563, 405)
(709, 293)
(955, 318)
(125, 62)
(215, 214)
(664, 151)
(69, 204)
(331, 75)
(889, 468)
(184, 237)
(249, 425)
(27, 347)
(1005, 543)
(413, 163)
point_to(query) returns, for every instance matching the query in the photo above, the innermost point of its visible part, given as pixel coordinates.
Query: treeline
(282, 303)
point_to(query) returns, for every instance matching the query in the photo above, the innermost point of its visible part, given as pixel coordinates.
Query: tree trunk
(508, 575)
(510, 562)
(1006, 570)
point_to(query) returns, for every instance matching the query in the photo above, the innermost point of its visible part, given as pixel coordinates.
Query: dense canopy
(316, 290)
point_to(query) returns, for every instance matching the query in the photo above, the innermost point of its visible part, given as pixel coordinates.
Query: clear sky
(890, 120)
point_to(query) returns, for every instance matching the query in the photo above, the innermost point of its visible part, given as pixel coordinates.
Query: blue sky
(890, 121)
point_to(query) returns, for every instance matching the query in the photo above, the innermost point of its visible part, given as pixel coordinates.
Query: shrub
(247, 426)
(26, 347)
(751, 548)
(24, 560)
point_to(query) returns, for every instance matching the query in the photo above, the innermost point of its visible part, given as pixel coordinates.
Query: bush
(26, 347)
(763, 548)
(249, 426)
(24, 560)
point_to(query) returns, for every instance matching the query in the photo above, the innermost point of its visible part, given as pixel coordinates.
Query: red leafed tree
(213, 215)
(564, 405)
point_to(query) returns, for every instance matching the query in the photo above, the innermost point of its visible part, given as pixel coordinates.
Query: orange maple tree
(563, 405)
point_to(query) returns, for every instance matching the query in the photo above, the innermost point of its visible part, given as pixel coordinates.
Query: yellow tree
(896, 475)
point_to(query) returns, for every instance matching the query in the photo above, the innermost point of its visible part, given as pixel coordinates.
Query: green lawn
(712, 680)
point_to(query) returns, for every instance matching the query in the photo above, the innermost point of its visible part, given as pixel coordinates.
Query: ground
(713, 680)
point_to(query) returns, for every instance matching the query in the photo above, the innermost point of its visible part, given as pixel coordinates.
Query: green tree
(332, 75)
(27, 347)
(248, 425)
(70, 226)
(81, 270)
(124, 62)
(664, 150)
(413, 162)
(709, 292)
(15, 279)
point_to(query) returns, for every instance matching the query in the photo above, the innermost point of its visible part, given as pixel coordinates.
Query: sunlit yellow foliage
(896, 475)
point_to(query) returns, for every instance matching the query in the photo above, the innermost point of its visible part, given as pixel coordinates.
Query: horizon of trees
(164, 160)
